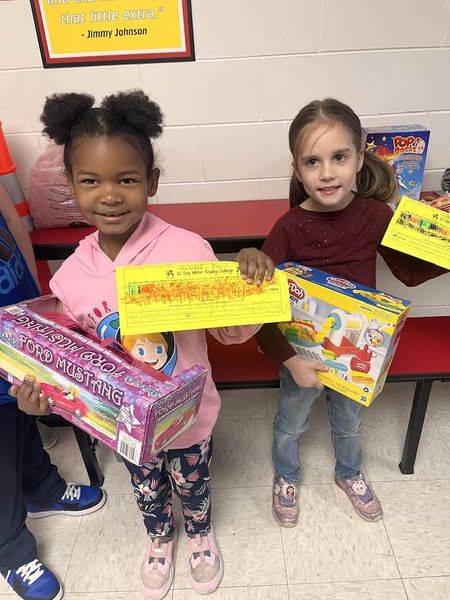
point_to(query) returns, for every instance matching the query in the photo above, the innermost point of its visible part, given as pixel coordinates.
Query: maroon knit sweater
(344, 243)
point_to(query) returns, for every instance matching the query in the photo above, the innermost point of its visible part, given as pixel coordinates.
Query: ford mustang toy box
(135, 412)
(404, 147)
(353, 329)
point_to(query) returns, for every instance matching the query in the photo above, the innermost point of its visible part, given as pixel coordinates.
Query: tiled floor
(331, 555)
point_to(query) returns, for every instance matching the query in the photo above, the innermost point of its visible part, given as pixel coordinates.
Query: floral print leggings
(184, 471)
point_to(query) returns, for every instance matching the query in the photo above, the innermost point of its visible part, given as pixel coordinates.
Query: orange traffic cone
(9, 180)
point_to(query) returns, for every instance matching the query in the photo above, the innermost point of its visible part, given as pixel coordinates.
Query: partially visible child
(29, 482)
(336, 223)
(109, 161)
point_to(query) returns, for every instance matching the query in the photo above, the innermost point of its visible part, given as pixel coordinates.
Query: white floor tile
(332, 543)
(109, 548)
(432, 588)
(439, 408)
(239, 593)
(244, 564)
(391, 589)
(248, 537)
(332, 554)
(108, 596)
(244, 404)
(417, 517)
(241, 454)
(384, 430)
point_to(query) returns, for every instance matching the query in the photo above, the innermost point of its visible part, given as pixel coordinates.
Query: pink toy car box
(128, 409)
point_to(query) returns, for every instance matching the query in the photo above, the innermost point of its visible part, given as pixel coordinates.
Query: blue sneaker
(34, 581)
(77, 500)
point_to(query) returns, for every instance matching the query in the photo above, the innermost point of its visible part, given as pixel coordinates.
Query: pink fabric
(85, 284)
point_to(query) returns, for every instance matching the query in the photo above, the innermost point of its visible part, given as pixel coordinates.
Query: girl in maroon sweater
(336, 223)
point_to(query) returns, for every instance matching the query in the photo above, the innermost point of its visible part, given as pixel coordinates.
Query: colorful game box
(404, 147)
(352, 328)
(126, 408)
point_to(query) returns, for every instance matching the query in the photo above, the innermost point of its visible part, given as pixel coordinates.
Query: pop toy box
(126, 408)
(352, 328)
(404, 147)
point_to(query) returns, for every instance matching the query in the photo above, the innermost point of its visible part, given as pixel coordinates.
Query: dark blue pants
(26, 474)
(186, 472)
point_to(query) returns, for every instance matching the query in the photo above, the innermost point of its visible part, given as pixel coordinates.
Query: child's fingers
(270, 266)
(320, 366)
(248, 263)
(44, 405)
(13, 391)
(261, 268)
(252, 267)
(26, 387)
(28, 392)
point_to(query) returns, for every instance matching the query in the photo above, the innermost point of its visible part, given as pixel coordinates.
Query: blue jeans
(292, 419)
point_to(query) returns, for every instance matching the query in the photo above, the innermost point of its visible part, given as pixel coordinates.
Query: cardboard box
(354, 329)
(127, 409)
(404, 147)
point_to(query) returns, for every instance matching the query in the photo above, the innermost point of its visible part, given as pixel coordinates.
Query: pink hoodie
(86, 286)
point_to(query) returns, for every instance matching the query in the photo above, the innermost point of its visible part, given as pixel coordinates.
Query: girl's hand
(29, 397)
(304, 371)
(254, 265)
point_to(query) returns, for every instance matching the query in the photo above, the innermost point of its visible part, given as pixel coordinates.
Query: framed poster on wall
(73, 33)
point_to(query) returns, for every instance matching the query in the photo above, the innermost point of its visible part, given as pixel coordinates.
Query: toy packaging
(352, 328)
(404, 147)
(124, 407)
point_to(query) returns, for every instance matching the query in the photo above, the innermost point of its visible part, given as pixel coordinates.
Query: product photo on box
(350, 327)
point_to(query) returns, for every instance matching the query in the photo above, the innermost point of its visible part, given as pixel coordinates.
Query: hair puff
(133, 109)
(62, 112)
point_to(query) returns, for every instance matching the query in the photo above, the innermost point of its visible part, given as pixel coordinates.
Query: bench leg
(416, 419)
(87, 448)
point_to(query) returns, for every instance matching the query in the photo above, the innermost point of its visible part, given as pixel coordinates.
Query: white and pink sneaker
(205, 563)
(157, 568)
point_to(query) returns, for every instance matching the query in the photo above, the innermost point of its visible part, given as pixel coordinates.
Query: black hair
(130, 115)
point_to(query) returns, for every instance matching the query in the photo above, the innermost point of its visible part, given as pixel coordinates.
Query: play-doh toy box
(352, 328)
(404, 147)
(126, 408)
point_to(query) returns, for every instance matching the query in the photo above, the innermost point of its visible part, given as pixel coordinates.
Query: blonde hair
(128, 341)
(376, 179)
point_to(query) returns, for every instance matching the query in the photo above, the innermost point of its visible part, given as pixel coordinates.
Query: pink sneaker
(205, 563)
(157, 568)
(285, 502)
(362, 497)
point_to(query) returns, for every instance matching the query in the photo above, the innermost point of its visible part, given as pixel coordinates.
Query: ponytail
(297, 193)
(376, 179)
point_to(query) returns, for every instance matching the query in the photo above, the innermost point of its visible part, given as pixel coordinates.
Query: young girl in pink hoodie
(109, 160)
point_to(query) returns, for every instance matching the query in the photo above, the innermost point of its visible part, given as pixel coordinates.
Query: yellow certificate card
(421, 231)
(196, 295)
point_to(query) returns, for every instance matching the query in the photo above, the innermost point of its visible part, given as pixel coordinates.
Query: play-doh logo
(341, 283)
(295, 291)
(408, 144)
